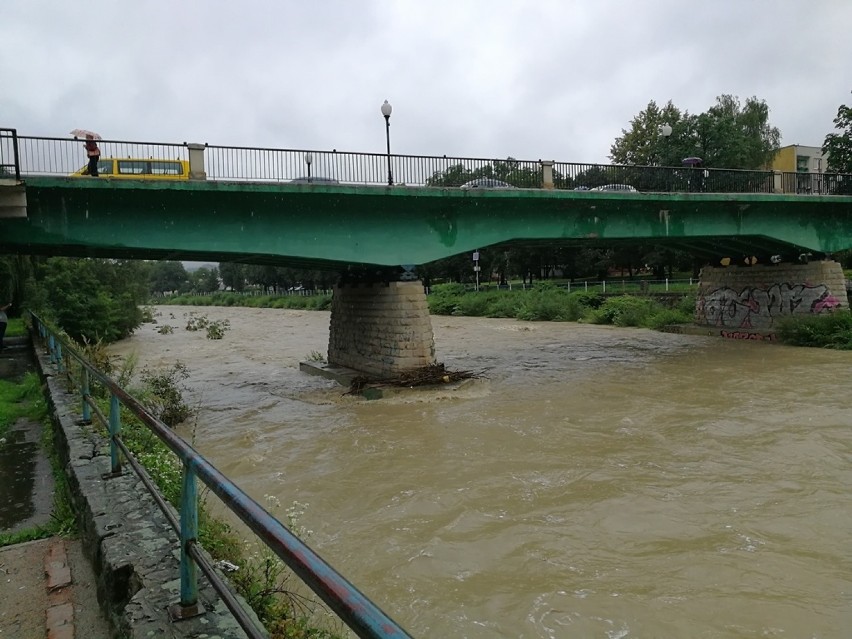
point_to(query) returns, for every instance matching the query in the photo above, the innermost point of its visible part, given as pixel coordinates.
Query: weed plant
(826, 330)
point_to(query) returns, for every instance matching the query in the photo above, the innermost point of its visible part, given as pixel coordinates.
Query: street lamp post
(308, 160)
(386, 111)
(665, 131)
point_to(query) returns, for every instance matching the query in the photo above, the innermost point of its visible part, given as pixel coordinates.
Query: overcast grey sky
(550, 79)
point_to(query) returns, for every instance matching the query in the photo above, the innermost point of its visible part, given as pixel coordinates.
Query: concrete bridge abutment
(748, 302)
(380, 328)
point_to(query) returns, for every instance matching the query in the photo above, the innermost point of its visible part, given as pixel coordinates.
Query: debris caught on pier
(426, 376)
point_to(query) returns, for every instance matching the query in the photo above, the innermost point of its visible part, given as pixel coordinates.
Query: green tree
(509, 170)
(205, 280)
(838, 146)
(233, 275)
(167, 276)
(728, 135)
(644, 143)
(91, 299)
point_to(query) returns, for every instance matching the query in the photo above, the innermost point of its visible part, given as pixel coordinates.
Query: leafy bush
(826, 330)
(666, 317)
(163, 394)
(623, 311)
(216, 329)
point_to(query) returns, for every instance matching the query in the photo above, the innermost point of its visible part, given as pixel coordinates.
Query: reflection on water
(17, 479)
(598, 482)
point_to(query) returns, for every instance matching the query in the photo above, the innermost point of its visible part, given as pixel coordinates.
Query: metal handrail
(15, 165)
(62, 156)
(353, 607)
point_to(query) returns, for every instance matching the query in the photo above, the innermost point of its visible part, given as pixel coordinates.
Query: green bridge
(373, 218)
(336, 226)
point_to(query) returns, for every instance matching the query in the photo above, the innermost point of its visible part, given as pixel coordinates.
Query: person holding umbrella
(92, 150)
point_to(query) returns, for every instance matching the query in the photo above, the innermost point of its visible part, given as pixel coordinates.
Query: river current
(593, 482)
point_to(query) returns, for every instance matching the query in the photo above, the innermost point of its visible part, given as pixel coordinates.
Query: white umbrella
(83, 133)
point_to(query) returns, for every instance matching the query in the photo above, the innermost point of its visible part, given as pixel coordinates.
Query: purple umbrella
(691, 161)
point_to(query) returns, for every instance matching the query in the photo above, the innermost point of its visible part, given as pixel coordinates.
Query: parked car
(486, 183)
(616, 187)
(314, 180)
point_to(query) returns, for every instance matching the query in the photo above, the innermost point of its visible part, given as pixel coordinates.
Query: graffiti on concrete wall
(747, 335)
(759, 307)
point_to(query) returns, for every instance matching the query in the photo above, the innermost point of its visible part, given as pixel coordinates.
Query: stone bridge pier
(748, 302)
(380, 328)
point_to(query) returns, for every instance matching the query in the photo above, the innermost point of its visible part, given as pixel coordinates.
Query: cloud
(551, 79)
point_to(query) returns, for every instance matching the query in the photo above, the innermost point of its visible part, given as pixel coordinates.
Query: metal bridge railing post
(189, 605)
(84, 394)
(114, 431)
(51, 347)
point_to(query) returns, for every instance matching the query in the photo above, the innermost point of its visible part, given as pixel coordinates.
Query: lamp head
(386, 109)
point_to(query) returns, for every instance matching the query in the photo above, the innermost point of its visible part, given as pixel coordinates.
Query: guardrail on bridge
(64, 156)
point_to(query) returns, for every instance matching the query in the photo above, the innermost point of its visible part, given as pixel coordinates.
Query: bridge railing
(360, 614)
(64, 156)
(816, 183)
(10, 165)
(245, 163)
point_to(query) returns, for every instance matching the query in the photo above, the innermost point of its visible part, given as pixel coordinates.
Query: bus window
(166, 167)
(132, 167)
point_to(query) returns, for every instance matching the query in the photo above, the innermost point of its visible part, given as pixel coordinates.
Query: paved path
(47, 587)
(48, 590)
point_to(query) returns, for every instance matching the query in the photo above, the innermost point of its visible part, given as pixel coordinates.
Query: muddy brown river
(595, 482)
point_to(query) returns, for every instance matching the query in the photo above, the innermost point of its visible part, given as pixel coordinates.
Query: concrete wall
(746, 302)
(380, 329)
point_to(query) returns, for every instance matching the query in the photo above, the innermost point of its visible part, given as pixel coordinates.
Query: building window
(803, 163)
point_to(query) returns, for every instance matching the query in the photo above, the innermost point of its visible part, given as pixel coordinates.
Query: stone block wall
(381, 329)
(742, 298)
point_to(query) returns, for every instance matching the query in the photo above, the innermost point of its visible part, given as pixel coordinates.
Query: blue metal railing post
(188, 535)
(59, 362)
(114, 431)
(84, 393)
(51, 347)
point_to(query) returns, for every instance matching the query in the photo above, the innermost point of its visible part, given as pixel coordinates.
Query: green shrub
(588, 299)
(668, 316)
(163, 394)
(473, 305)
(623, 311)
(826, 330)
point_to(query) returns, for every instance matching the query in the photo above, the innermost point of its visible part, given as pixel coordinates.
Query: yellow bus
(139, 169)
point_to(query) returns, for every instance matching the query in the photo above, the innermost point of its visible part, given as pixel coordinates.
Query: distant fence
(609, 287)
(360, 614)
(64, 156)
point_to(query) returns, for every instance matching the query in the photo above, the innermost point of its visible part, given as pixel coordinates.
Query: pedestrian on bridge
(94, 154)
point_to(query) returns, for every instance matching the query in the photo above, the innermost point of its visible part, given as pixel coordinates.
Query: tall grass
(826, 330)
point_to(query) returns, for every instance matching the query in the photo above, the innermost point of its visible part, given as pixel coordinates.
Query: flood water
(595, 482)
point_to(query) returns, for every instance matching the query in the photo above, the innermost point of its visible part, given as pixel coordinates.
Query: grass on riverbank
(307, 302)
(16, 327)
(826, 330)
(543, 302)
(548, 302)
